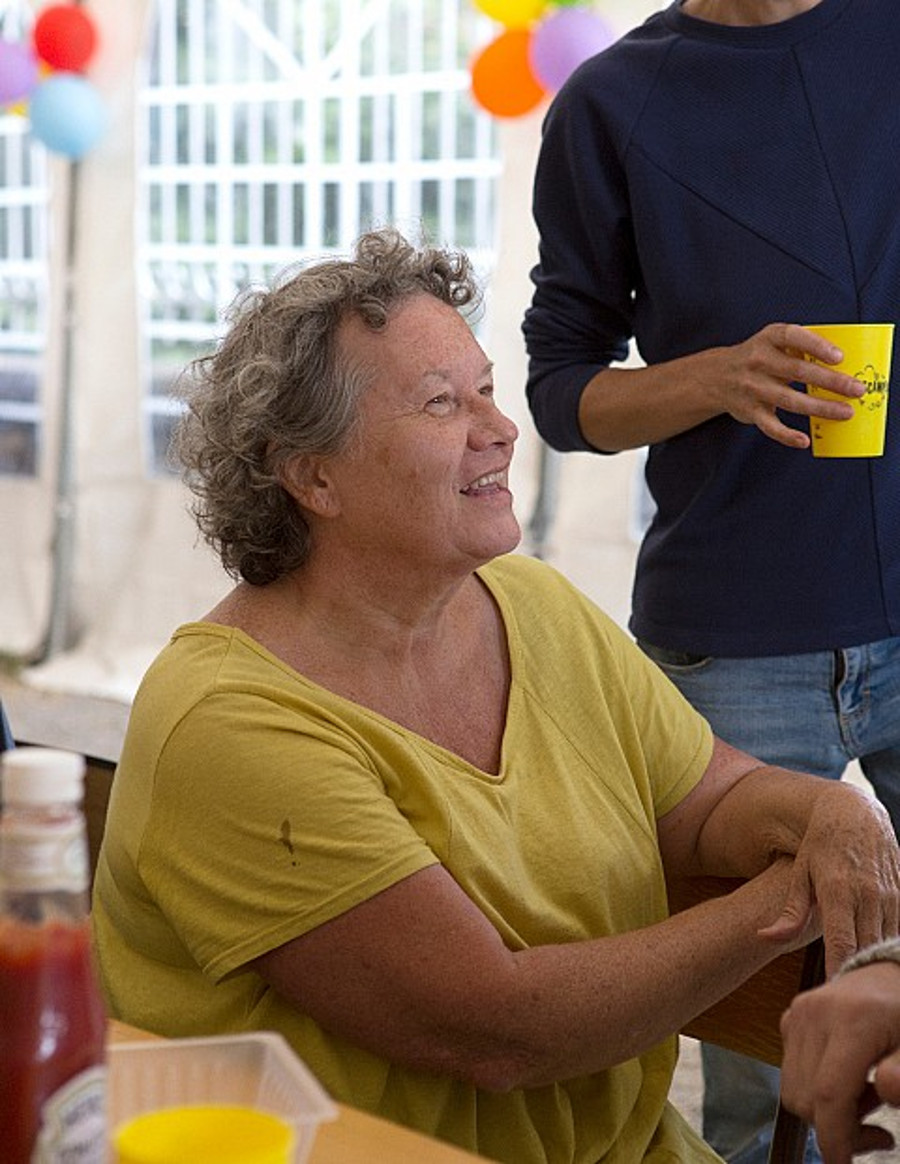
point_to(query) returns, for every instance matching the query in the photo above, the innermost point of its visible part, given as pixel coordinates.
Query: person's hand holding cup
(866, 349)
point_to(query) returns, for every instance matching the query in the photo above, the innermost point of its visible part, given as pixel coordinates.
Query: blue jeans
(6, 736)
(815, 713)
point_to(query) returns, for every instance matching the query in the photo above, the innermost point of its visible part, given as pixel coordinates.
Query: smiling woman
(408, 797)
(424, 485)
(285, 390)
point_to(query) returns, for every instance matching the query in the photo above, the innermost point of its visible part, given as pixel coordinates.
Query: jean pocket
(673, 660)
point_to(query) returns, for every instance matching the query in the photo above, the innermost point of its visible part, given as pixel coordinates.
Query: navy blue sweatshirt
(695, 183)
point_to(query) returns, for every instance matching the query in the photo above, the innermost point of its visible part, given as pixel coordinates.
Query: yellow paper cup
(193, 1135)
(867, 351)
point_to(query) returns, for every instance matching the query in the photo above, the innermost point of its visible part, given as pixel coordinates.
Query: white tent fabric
(136, 569)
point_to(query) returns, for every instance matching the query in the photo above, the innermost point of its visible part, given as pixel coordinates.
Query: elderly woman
(411, 799)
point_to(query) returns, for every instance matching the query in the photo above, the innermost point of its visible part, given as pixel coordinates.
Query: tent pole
(58, 636)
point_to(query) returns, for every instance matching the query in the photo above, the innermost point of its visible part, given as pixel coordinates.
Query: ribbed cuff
(886, 951)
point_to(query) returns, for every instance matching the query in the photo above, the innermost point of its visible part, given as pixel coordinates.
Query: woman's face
(426, 477)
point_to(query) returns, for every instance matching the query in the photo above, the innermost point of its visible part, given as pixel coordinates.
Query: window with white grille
(275, 130)
(23, 281)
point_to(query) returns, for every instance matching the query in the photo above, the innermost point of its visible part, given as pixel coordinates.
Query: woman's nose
(491, 426)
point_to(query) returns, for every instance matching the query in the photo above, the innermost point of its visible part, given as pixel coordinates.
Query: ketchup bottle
(52, 1020)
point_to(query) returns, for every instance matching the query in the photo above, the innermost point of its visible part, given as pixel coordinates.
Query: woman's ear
(308, 481)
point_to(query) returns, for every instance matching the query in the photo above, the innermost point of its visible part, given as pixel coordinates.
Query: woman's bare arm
(743, 814)
(418, 975)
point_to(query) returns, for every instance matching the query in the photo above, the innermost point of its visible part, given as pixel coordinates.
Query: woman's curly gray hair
(277, 385)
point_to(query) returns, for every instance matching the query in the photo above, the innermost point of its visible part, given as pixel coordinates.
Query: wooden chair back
(98, 776)
(748, 1019)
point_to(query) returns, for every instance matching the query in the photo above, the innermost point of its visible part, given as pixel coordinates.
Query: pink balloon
(18, 71)
(563, 41)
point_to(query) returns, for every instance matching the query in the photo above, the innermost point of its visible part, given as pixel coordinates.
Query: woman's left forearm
(764, 815)
(736, 818)
(773, 812)
(845, 855)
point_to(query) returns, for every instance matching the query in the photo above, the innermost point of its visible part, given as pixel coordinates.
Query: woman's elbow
(487, 1066)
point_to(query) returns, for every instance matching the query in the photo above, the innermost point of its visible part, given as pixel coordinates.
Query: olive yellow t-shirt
(251, 805)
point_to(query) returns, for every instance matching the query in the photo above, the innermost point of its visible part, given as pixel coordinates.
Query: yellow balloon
(513, 13)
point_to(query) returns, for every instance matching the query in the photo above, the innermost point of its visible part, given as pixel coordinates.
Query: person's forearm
(419, 976)
(764, 814)
(768, 813)
(626, 408)
(599, 1004)
(622, 408)
(846, 865)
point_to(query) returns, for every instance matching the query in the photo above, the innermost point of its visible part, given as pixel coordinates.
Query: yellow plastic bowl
(197, 1135)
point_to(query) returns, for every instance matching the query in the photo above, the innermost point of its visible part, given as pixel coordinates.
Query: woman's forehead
(423, 334)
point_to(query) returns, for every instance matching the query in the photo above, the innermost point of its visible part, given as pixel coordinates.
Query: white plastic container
(252, 1070)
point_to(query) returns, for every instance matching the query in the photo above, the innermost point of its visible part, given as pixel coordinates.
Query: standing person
(6, 736)
(723, 174)
(410, 799)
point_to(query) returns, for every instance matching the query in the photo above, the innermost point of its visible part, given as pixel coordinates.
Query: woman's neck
(746, 12)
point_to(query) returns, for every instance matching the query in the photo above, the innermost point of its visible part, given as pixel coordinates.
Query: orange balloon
(502, 79)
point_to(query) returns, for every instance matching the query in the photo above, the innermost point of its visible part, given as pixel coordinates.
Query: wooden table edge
(355, 1137)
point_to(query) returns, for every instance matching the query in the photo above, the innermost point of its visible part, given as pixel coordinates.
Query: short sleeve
(289, 826)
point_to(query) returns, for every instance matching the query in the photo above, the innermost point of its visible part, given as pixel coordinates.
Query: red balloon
(503, 82)
(65, 37)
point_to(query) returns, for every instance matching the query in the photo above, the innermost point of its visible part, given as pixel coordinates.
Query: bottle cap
(41, 776)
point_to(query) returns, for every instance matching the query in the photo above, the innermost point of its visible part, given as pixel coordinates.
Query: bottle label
(73, 1128)
(49, 858)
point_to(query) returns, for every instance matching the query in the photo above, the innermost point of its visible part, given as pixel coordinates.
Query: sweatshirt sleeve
(580, 317)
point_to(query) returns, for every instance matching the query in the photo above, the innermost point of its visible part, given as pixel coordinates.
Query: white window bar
(274, 130)
(23, 278)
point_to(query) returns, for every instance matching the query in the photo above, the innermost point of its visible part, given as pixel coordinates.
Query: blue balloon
(67, 115)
